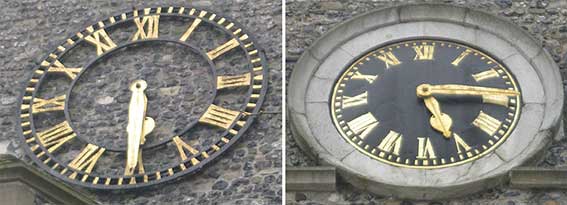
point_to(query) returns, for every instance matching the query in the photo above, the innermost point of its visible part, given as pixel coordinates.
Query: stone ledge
(310, 179)
(13, 170)
(538, 177)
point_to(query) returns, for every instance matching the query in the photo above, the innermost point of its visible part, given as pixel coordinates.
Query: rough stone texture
(248, 173)
(306, 21)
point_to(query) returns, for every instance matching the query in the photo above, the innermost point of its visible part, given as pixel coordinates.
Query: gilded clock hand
(425, 90)
(138, 125)
(439, 120)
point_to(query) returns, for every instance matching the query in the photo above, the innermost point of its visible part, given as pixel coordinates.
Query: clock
(425, 101)
(142, 97)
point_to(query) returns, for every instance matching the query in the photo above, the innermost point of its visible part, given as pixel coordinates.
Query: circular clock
(142, 97)
(425, 101)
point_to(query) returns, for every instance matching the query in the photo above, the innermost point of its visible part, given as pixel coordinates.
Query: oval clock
(425, 101)
(142, 97)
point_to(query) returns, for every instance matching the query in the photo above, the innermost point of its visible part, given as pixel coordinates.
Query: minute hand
(135, 128)
(453, 89)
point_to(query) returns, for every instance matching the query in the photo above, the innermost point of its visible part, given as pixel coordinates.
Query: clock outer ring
(315, 73)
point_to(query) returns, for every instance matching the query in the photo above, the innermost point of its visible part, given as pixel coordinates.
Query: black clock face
(142, 97)
(425, 104)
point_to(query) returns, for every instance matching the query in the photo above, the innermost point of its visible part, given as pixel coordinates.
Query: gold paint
(47, 105)
(190, 29)
(56, 136)
(58, 67)
(139, 125)
(496, 99)
(146, 32)
(170, 171)
(425, 90)
(358, 100)
(181, 146)
(425, 149)
(101, 40)
(392, 143)
(181, 10)
(107, 181)
(225, 140)
(233, 43)
(424, 52)
(87, 158)
(389, 59)
(359, 76)
(233, 81)
(487, 123)
(220, 117)
(439, 121)
(485, 75)
(158, 175)
(460, 58)
(363, 124)
(460, 143)
(202, 14)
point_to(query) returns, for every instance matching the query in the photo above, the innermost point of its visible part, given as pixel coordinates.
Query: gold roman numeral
(86, 159)
(363, 124)
(356, 100)
(56, 136)
(487, 123)
(233, 43)
(460, 58)
(220, 117)
(391, 143)
(233, 81)
(101, 40)
(461, 144)
(424, 52)
(425, 149)
(190, 30)
(359, 76)
(389, 59)
(182, 146)
(149, 31)
(485, 75)
(496, 99)
(46, 105)
(58, 67)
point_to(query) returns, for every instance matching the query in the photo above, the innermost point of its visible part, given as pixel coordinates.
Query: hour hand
(439, 120)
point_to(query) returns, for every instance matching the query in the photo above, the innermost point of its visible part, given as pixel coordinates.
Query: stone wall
(248, 173)
(307, 20)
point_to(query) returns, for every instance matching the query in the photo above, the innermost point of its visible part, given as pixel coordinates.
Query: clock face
(142, 97)
(425, 103)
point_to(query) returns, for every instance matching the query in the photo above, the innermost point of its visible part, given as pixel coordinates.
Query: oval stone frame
(312, 80)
